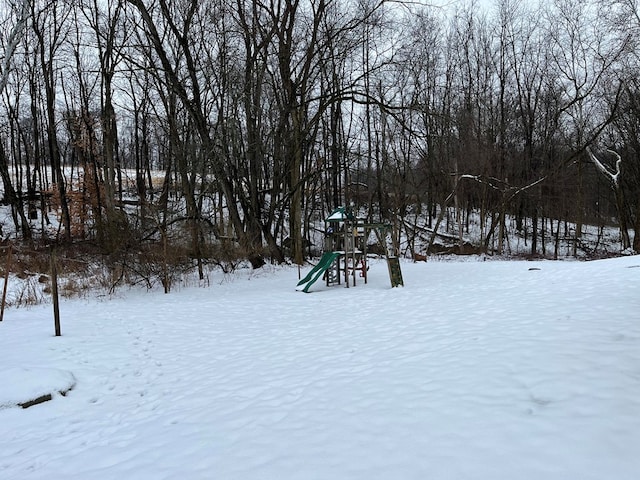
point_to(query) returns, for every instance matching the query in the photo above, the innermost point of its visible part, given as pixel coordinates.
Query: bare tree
(185, 82)
(105, 21)
(614, 178)
(10, 44)
(50, 28)
(12, 40)
(584, 54)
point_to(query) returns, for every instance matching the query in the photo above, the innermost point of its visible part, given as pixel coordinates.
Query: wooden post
(7, 268)
(395, 273)
(54, 292)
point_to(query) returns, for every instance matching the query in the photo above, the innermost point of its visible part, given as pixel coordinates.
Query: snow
(23, 384)
(473, 370)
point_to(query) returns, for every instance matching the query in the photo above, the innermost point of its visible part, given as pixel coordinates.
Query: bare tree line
(230, 127)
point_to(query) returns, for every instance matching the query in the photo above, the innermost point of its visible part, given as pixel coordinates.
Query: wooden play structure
(345, 252)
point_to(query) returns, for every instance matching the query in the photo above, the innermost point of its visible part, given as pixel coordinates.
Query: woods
(225, 130)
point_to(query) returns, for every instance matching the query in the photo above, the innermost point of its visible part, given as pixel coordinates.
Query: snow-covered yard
(474, 370)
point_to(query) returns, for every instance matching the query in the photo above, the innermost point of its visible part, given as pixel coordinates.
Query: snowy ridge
(24, 385)
(474, 370)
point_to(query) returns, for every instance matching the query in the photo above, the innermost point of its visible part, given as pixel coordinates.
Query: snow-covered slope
(473, 370)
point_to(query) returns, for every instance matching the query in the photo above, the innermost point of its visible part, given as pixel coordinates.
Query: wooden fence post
(54, 292)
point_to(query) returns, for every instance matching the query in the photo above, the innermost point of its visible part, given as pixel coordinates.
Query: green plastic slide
(323, 265)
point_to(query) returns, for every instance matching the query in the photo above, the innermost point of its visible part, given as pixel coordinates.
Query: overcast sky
(487, 5)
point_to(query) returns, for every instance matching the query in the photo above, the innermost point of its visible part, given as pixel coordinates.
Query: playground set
(345, 252)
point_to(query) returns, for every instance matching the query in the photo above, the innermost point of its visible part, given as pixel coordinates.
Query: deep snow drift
(473, 370)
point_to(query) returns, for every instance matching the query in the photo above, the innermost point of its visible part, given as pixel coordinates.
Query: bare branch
(613, 177)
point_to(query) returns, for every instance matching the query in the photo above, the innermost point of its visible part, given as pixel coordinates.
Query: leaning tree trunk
(623, 224)
(295, 209)
(17, 211)
(636, 234)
